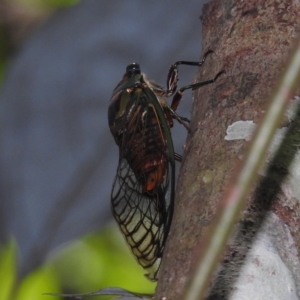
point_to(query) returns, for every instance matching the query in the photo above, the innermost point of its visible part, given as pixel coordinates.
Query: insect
(142, 197)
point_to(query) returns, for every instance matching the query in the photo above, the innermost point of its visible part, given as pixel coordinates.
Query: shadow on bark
(262, 201)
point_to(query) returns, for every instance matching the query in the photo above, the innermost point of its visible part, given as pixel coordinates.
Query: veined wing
(143, 190)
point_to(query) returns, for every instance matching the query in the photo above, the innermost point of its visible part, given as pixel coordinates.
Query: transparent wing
(143, 190)
(142, 217)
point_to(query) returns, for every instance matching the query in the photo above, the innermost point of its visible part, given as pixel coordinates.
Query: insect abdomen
(145, 151)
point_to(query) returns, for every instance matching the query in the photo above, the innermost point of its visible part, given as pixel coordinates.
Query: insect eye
(133, 69)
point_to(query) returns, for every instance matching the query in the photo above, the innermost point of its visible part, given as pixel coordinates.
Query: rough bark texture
(251, 41)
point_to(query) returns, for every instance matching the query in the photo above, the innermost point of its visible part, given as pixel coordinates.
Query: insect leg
(169, 111)
(194, 63)
(197, 85)
(177, 97)
(184, 119)
(172, 78)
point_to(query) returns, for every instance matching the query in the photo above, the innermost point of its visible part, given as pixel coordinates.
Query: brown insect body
(143, 192)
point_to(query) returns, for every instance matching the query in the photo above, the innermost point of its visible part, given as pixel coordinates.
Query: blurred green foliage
(59, 3)
(94, 262)
(35, 284)
(45, 3)
(8, 269)
(106, 262)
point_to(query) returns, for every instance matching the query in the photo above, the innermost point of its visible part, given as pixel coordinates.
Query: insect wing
(144, 210)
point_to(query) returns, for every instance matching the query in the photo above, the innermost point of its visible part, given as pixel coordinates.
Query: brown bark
(251, 41)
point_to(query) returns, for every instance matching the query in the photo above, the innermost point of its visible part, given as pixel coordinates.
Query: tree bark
(251, 40)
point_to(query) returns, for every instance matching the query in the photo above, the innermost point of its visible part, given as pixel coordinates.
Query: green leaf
(36, 284)
(60, 3)
(98, 261)
(8, 269)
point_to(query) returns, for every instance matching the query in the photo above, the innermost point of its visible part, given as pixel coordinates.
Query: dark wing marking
(144, 217)
(139, 218)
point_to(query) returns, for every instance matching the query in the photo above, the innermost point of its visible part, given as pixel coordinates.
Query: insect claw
(185, 119)
(207, 53)
(178, 157)
(219, 74)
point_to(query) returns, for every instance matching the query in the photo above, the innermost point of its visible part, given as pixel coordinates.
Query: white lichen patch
(240, 130)
(243, 130)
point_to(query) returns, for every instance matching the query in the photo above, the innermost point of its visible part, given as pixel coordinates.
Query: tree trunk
(251, 41)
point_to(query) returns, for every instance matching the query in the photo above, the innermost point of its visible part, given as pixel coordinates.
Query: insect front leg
(172, 78)
(178, 95)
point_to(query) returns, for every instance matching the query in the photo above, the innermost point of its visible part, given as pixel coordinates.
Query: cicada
(142, 197)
